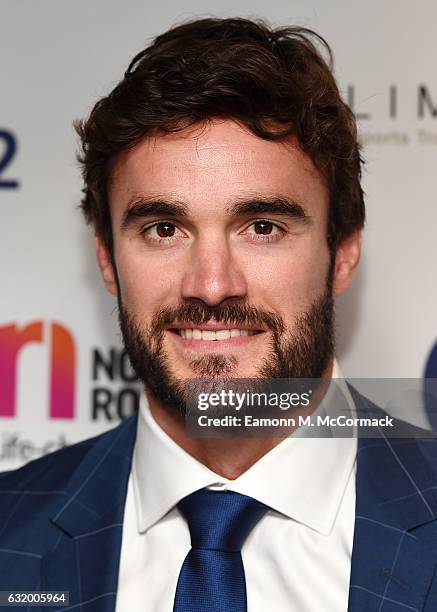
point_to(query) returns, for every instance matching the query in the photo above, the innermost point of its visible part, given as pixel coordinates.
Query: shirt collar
(163, 473)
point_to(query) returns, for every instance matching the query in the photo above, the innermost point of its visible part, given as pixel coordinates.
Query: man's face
(220, 248)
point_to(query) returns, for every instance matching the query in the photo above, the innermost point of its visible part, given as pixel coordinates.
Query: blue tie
(212, 575)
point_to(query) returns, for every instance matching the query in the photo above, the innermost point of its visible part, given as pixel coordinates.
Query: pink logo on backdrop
(62, 367)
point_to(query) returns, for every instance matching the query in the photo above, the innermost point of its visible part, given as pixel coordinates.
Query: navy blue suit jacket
(61, 523)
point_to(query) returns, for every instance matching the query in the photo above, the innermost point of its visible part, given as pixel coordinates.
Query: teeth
(220, 334)
(208, 335)
(223, 334)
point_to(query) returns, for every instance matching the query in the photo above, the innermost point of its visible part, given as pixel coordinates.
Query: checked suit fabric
(61, 520)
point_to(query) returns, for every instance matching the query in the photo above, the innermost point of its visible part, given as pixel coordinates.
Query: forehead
(212, 164)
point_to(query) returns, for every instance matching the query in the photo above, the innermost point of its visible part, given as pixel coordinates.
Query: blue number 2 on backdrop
(7, 154)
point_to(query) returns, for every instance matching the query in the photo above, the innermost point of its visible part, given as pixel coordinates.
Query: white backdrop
(56, 59)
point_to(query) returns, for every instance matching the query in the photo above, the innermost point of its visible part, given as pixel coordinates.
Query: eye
(165, 230)
(262, 230)
(162, 233)
(263, 227)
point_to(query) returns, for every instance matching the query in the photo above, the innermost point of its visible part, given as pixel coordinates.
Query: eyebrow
(152, 207)
(277, 206)
(144, 207)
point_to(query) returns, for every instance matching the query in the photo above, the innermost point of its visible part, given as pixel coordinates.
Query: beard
(303, 353)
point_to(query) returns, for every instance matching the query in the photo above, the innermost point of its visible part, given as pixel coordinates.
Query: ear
(105, 265)
(346, 261)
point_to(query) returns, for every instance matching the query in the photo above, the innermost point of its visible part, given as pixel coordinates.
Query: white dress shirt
(298, 556)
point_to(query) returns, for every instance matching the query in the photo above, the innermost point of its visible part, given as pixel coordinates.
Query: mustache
(199, 312)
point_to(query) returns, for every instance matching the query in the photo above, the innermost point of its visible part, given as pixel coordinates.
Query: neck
(227, 457)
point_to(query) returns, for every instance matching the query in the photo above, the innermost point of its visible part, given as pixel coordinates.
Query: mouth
(214, 334)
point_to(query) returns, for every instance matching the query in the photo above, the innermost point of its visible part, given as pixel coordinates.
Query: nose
(213, 274)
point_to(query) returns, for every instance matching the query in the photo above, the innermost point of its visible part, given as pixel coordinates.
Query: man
(222, 177)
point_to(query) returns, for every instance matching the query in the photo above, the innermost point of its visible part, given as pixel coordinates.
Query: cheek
(144, 285)
(289, 283)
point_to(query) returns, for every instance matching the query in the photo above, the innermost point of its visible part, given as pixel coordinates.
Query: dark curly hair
(274, 81)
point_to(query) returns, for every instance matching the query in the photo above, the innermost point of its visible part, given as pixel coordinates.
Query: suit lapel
(85, 560)
(394, 550)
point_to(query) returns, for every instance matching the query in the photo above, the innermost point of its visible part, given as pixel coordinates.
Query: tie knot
(220, 520)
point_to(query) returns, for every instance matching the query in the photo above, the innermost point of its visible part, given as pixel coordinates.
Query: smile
(214, 335)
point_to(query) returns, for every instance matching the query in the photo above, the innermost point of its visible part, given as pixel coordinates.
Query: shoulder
(32, 496)
(44, 481)
(400, 429)
(407, 443)
(51, 468)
